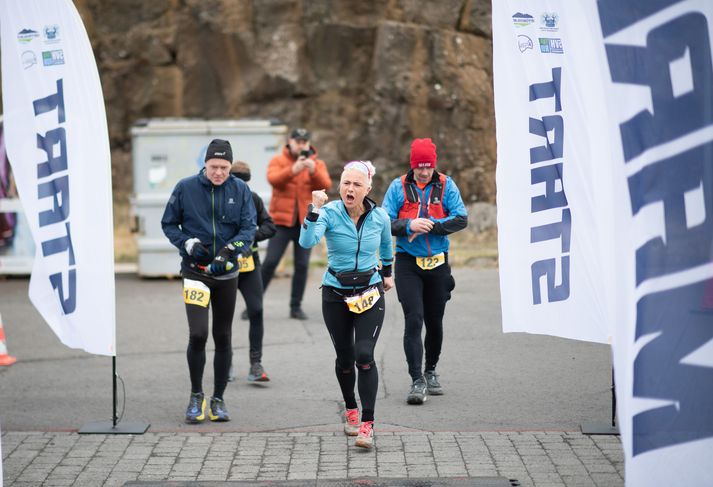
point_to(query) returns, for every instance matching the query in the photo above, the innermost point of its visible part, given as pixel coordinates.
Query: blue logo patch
(51, 33)
(549, 21)
(551, 46)
(25, 36)
(522, 20)
(53, 58)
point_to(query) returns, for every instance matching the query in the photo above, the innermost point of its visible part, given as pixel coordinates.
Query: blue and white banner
(58, 146)
(636, 97)
(550, 256)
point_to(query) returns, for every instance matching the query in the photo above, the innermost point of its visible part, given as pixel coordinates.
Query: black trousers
(354, 337)
(250, 286)
(222, 303)
(275, 250)
(423, 296)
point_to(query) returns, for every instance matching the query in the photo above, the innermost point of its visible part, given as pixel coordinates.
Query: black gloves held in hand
(221, 261)
(197, 250)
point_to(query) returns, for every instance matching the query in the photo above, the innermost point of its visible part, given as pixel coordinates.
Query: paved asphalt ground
(512, 407)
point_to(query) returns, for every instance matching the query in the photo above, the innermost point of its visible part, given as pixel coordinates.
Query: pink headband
(359, 166)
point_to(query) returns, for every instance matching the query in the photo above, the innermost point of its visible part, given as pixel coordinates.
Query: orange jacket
(289, 189)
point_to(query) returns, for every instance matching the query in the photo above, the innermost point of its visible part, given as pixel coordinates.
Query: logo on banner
(551, 46)
(25, 36)
(51, 34)
(549, 21)
(29, 59)
(53, 58)
(522, 20)
(524, 43)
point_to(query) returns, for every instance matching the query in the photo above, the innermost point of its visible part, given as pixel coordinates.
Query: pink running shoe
(351, 423)
(365, 439)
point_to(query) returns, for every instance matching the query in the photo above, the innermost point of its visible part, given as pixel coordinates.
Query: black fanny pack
(353, 278)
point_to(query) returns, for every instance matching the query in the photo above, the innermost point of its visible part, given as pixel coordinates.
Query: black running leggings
(250, 286)
(222, 302)
(354, 337)
(423, 296)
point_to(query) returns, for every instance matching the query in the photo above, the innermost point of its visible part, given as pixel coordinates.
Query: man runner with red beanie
(425, 206)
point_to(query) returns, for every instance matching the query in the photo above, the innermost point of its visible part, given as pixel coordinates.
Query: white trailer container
(166, 150)
(17, 248)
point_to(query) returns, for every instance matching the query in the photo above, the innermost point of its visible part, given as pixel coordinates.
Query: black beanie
(219, 149)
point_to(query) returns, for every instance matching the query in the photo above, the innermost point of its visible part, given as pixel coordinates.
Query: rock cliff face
(365, 76)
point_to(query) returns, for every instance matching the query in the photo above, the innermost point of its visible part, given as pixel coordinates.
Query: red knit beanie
(423, 153)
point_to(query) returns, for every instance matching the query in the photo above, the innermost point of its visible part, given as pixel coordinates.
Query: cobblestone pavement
(536, 459)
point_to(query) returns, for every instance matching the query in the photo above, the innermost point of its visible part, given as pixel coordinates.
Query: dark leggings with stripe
(354, 337)
(222, 302)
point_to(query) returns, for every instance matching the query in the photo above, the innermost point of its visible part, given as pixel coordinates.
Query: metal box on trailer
(166, 150)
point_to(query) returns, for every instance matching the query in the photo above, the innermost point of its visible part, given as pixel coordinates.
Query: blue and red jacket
(440, 201)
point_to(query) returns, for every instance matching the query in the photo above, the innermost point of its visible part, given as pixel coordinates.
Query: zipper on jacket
(428, 205)
(212, 211)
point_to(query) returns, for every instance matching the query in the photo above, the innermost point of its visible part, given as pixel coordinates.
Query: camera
(304, 153)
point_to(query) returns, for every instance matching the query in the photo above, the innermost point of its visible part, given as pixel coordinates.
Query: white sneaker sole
(362, 442)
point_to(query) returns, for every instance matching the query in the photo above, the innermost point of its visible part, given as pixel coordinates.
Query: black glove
(197, 250)
(220, 263)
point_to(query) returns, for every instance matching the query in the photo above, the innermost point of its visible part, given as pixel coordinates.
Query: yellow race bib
(246, 264)
(195, 292)
(363, 301)
(428, 263)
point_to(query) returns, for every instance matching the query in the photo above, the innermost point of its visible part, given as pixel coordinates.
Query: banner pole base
(109, 428)
(599, 429)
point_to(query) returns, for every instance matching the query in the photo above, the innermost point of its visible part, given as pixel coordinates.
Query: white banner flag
(638, 76)
(548, 233)
(57, 143)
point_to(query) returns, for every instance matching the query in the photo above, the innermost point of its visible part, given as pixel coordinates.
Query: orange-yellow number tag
(246, 264)
(428, 263)
(364, 301)
(195, 292)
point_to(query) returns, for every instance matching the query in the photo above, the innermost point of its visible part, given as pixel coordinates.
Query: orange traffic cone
(5, 359)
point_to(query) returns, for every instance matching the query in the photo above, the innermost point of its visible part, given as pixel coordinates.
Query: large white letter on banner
(57, 144)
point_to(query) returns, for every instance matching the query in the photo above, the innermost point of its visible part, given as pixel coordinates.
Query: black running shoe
(419, 392)
(434, 387)
(298, 314)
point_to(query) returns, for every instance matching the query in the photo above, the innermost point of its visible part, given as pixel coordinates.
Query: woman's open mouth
(350, 198)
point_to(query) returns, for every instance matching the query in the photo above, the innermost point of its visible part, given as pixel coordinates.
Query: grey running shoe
(195, 412)
(419, 392)
(244, 315)
(257, 373)
(434, 387)
(231, 373)
(218, 411)
(298, 314)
